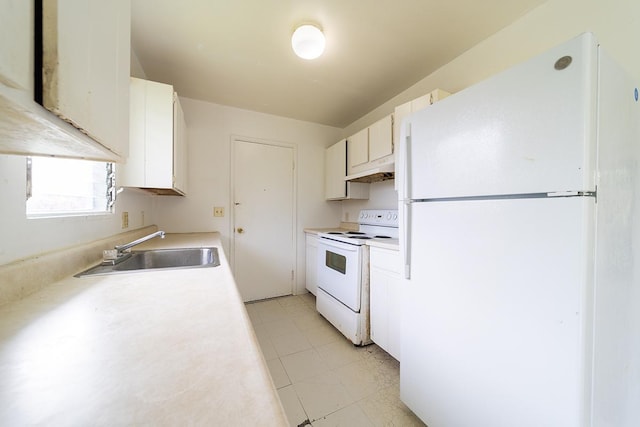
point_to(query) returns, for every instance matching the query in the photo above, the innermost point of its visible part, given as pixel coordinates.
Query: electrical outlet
(218, 211)
(125, 219)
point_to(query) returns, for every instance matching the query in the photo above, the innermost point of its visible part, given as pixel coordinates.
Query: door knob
(240, 230)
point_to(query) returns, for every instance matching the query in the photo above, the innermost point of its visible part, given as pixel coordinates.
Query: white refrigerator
(520, 234)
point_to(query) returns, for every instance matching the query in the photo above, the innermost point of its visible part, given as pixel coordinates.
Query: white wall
(616, 24)
(22, 237)
(209, 130)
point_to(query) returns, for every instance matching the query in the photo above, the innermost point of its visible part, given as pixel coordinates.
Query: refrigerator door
(496, 312)
(529, 129)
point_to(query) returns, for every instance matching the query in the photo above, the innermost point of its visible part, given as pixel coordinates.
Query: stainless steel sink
(159, 259)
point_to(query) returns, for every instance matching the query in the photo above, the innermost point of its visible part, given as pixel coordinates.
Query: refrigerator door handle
(407, 239)
(405, 196)
(406, 164)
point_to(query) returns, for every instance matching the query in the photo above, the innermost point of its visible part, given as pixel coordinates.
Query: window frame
(109, 196)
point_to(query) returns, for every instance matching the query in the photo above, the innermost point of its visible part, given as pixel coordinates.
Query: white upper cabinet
(335, 167)
(370, 149)
(86, 67)
(359, 149)
(84, 82)
(381, 139)
(158, 145)
(335, 164)
(180, 155)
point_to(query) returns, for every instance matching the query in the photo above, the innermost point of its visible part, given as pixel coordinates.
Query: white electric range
(343, 272)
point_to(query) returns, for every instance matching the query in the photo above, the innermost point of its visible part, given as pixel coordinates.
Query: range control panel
(382, 217)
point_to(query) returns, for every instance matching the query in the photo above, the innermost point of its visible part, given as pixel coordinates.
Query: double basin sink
(158, 259)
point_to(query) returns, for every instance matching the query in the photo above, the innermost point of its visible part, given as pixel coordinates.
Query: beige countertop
(171, 347)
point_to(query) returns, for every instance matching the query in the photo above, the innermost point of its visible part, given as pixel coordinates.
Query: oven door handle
(338, 245)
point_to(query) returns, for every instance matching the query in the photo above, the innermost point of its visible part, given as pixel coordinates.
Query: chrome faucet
(121, 248)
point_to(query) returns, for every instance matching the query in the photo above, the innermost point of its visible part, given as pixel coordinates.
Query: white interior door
(263, 219)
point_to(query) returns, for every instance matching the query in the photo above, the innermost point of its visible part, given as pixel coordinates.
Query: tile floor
(321, 377)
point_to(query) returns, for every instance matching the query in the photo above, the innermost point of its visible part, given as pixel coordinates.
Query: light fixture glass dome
(308, 41)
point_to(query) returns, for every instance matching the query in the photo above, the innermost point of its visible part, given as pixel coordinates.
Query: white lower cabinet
(312, 263)
(385, 299)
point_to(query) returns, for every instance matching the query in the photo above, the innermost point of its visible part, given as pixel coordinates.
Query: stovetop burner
(372, 223)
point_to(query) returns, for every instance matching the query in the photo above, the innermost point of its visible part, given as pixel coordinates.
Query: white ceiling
(238, 52)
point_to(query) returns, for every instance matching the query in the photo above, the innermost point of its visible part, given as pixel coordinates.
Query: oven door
(339, 271)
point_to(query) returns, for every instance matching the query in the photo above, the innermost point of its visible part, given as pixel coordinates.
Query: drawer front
(385, 259)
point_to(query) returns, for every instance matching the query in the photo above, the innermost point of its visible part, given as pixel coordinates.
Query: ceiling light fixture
(308, 41)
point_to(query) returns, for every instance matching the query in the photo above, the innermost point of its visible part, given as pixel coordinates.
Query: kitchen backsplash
(382, 195)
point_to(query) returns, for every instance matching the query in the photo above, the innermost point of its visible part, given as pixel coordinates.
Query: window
(61, 187)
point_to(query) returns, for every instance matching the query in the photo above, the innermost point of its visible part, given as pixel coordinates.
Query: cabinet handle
(240, 230)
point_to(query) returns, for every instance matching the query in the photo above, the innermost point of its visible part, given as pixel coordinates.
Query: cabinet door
(158, 143)
(132, 174)
(158, 155)
(381, 138)
(395, 313)
(86, 61)
(312, 263)
(399, 114)
(16, 45)
(335, 187)
(358, 145)
(334, 170)
(379, 308)
(179, 148)
(385, 300)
